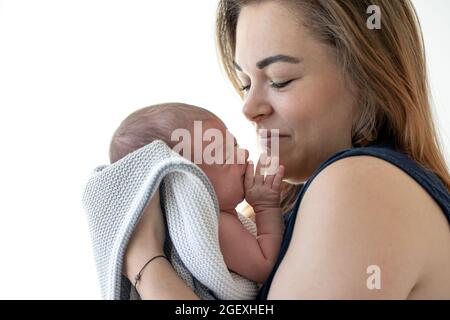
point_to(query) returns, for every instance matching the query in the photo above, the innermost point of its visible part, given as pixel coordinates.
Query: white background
(70, 71)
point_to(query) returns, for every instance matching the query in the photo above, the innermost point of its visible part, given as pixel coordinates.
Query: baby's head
(158, 122)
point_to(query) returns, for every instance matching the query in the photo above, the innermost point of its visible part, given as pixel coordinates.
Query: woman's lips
(269, 133)
(271, 138)
(268, 140)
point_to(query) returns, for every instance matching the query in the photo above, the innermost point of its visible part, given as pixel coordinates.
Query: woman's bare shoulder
(367, 180)
(358, 213)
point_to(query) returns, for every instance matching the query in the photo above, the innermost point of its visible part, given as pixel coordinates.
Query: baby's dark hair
(154, 123)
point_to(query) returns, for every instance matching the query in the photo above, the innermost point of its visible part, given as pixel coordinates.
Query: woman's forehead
(268, 29)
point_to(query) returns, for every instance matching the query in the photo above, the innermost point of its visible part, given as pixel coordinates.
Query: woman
(352, 107)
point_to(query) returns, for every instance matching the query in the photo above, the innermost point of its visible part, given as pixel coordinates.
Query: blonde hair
(387, 66)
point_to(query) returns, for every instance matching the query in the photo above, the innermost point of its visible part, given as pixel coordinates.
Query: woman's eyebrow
(269, 60)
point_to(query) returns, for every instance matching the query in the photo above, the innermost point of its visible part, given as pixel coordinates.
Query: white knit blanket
(114, 199)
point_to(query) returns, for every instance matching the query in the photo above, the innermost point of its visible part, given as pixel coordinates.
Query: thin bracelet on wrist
(139, 275)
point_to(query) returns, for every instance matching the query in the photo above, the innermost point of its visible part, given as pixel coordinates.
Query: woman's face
(292, 83)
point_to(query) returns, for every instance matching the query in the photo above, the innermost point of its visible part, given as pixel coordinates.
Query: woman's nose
(256, 106)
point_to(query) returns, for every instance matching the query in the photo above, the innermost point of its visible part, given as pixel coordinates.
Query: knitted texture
(115, 198)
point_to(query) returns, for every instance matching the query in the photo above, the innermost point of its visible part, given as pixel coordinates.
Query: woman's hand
(147, 239)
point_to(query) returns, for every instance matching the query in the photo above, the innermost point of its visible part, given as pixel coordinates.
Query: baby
(233, 180)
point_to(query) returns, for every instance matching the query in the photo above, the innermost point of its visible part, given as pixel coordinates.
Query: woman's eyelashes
(280, 85)
(275, 85)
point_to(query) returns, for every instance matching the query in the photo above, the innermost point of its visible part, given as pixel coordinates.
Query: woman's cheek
(294, 113)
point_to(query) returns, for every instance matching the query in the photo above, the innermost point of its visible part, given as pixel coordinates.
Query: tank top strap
(425, 177)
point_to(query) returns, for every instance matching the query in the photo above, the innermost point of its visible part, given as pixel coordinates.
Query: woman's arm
(158, 280)
(357, 213)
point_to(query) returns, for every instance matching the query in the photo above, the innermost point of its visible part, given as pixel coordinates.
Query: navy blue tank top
(427, 179)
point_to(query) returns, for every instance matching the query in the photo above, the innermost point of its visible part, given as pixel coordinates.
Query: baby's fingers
(259, 173)
(278, 178)
(270, 177)
(249, 176)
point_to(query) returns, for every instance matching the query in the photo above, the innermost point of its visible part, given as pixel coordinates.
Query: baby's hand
(261, 191)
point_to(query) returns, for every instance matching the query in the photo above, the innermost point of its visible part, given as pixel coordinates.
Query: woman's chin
(293, 177)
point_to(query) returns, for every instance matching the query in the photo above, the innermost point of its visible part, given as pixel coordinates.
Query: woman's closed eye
(280, 85)
(275, 85)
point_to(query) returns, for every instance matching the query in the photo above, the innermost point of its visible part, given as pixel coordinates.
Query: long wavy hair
(387, 66)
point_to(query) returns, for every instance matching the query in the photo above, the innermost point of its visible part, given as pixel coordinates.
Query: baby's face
(227, 178)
